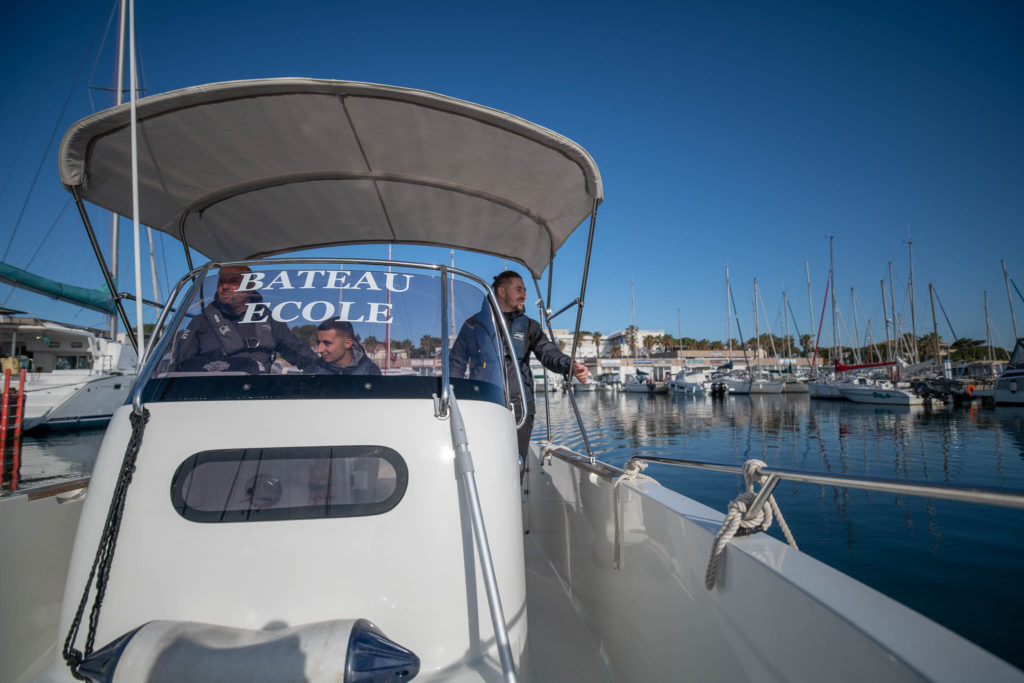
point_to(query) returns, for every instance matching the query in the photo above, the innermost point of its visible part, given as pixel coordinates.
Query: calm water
(959, 564)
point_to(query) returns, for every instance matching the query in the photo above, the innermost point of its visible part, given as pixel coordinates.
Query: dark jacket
(475, 349)
(361, 365)
(218, 340)
(533, 341)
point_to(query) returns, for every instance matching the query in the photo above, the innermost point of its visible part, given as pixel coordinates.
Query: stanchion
(4, 409)
(20, 411)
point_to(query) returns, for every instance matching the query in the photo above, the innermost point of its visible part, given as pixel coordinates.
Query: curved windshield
(331, 320)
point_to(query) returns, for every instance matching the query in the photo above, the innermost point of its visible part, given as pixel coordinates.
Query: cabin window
(76, 344)
(329, 330)
(73, 363)
(277, 484)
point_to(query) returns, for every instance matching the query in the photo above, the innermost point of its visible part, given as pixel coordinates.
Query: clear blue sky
(728, 134)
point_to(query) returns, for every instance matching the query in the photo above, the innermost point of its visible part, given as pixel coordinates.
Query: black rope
(105, 552)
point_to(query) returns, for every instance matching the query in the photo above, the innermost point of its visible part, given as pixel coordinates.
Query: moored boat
(1009, 388)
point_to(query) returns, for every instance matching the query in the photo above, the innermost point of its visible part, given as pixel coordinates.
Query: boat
(280, 527)
(690, 382)
(880, 392)
(641, 383)
(75, 378)
(1009, 389)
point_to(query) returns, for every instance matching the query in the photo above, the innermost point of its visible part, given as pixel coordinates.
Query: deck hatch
(291, 483)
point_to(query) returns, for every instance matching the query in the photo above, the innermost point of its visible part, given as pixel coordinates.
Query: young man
(340, 352)
(527, 338)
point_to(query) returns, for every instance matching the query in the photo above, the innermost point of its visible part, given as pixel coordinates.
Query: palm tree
(649, 341)
(597, 343)
(631, 337)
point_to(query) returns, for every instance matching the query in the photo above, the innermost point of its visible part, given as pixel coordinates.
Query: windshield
(330, 321)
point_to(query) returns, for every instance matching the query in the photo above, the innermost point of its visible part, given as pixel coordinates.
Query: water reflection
(955, 562)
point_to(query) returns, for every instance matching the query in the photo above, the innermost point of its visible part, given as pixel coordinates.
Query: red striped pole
(16, 454)
(4, 408)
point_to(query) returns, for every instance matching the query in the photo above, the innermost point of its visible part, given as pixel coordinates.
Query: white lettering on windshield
(335, 279)
(250, 311)
(377, 310)
(277, 311)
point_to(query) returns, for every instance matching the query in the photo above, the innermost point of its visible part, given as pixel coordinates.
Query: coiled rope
(105, 552)
(632, 472)
(736, 524)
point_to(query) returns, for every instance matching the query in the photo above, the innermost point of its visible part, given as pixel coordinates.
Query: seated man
(217, 340)
(339, 351)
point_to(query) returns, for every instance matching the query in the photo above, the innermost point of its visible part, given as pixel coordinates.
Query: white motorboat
(1009, 389)
(746, 384)
(74, 377)
(276, 527)
(692, 382)
(881, 392)
(642, 384)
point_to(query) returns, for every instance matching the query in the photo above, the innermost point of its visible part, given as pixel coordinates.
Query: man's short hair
(502, 279)
(342, 327)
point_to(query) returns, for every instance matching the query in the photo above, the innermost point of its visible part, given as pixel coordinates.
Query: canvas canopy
(246, 169)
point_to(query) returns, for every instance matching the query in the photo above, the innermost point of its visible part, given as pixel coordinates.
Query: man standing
(217, 340)
(527, 337)
(340, 352)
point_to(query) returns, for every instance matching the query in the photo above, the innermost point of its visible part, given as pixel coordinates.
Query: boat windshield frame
(155, 351)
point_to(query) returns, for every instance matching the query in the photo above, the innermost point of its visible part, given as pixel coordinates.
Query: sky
(740, 135)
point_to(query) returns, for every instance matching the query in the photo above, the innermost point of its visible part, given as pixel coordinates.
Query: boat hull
(880, 396)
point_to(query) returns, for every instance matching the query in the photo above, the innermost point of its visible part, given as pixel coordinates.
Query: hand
(581, 372)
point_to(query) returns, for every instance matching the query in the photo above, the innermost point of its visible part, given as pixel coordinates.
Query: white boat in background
(880, 392)
(225, 492)
(74, 377)
(1009, 388)
(690, 382)
(746, 384)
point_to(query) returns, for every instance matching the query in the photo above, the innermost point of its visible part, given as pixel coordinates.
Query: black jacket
(218, 340)
(540, 346)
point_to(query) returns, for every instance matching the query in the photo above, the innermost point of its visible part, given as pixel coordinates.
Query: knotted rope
(736, 523)
(632, 472)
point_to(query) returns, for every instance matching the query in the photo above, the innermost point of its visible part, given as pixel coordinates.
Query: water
(957, 563)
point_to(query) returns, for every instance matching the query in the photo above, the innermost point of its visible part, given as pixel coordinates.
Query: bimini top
(246, 169)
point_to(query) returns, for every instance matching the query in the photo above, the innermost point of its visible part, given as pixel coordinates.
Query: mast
(785, 317)
(892, 305)
(679, 321)
(115, 220)
(988, 333)
(636, 331)
(913, 319)
(832, 289)
(1013, 318)
(885, 315)
(810, 304)
(935, 328)
(728, 311)
(856, 330)
(757, 333)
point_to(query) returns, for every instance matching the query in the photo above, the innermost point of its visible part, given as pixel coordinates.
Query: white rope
(735, 521)
(632, 472)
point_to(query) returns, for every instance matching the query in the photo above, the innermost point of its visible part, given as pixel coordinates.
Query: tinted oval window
(273, 484)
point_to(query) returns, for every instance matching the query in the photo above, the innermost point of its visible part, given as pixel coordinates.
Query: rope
(632, 472)
(736, 524)
(105, 552)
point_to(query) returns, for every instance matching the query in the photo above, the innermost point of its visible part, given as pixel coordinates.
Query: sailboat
(305, 526)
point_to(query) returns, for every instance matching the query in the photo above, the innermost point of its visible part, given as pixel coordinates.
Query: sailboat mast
(832, 289)
(115, 220)
(1013, 318)
(728, 312)
(885, 315)
(935, 328)
(785, 317)
(988, 333)
(856, 330)
(632, 294)
(913, 318)
(757, 330)
(896, 329)
(810, 304)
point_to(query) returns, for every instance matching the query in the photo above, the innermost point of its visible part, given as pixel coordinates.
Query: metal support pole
(103, 267)
(465, 471)
(445, 373)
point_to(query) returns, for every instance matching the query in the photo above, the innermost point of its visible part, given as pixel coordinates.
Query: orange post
(4, 409)
(16, 451)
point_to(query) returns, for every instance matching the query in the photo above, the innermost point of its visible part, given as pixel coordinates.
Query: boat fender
(970, 390)
(172, 651)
